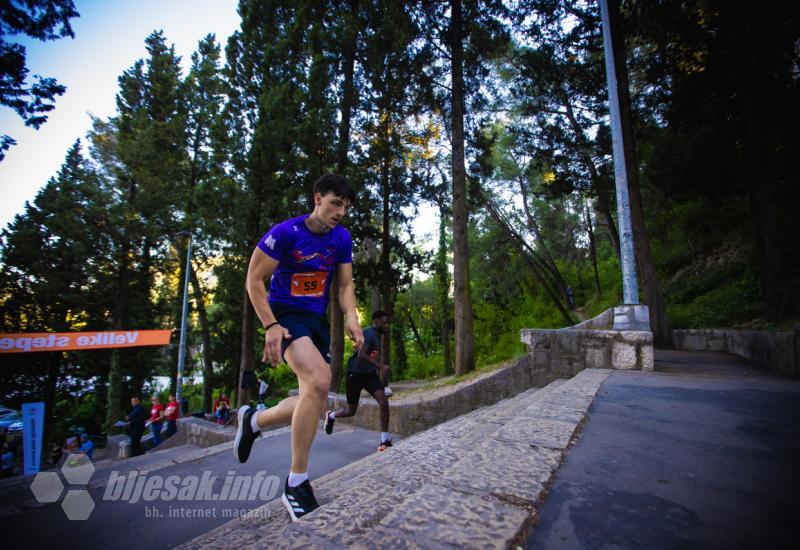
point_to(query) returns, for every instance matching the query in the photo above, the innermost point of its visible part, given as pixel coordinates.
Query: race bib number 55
(309, 284)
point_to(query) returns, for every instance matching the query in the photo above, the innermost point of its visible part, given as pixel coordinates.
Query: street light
(182, 345)
(630, 287)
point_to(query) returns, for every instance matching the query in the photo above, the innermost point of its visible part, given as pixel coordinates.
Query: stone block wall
(204, 433)
(776, 350)
(191, 430)
(563, 353)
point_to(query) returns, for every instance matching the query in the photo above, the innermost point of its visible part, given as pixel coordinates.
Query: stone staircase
(474, 481)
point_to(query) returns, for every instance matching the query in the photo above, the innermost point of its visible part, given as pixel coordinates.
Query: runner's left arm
(347, 301)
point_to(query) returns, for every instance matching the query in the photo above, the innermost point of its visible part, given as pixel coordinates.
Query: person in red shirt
(156, 420)
(171, 414)
(222, 397)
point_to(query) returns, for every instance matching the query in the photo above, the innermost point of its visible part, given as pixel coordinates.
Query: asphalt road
(704, 453)
(118, 522)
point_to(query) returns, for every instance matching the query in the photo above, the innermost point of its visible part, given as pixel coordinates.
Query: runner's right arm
(362, 354)
(261, 267)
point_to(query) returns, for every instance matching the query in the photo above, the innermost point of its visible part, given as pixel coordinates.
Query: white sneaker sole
(289, 507)
(239, 431)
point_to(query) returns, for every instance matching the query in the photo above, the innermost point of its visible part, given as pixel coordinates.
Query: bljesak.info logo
(136, 487)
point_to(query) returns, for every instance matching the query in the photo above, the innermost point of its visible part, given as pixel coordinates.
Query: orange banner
(65, 341)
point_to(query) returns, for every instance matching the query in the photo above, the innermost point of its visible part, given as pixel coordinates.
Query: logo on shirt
(327, 257)
(270, 242)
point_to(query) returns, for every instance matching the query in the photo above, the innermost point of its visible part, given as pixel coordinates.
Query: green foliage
(281, 379)
(84, 412)
(421, 367)
(41, 20)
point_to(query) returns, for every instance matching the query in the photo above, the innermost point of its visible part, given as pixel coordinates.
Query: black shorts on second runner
(357, 381)
(301, 322)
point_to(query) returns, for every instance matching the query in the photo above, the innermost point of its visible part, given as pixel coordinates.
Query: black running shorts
(357, 381)
(301, 322)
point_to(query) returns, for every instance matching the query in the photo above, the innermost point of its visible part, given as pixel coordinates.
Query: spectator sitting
(223, 412)
(221, 399)
(87, 447)
(71, 445)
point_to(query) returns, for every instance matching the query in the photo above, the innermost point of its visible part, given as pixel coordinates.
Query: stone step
(472, 481)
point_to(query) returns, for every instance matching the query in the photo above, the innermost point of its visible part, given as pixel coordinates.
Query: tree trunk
(336, 315)
(465, 352)
(607, 222)
(375, 299)
(647, 268)
(248, 339)
(205, 335)
(592, 249)
(443, 290)
(762, 212)
(50, 396)
(173, 368)
(114, 404)
(386, 251)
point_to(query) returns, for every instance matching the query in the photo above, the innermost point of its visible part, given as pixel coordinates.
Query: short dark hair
(336, 184)
(377, 314)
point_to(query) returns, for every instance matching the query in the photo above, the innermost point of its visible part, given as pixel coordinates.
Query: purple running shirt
(306, 262)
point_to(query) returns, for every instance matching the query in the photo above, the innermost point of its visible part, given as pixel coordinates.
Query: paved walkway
(703, 453)
(128, 522)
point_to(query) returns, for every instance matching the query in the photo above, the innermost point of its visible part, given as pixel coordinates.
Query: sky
(109, 38)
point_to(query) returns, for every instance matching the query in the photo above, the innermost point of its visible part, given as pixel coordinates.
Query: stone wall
(563, 353)
(204, 433)
(779, 350)
(191, 430)
(552, 354)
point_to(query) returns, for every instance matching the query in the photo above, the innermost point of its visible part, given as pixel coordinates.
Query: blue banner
(32, 428)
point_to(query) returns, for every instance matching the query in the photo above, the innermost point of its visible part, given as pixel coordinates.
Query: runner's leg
(279, 414)
(383, 403)
(314, 378)
(354, 386)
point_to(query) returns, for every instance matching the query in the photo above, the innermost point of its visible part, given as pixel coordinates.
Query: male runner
(301, 256)
(362, 373)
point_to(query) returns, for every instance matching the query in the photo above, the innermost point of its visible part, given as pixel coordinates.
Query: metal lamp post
(182, 344)
(630, 288)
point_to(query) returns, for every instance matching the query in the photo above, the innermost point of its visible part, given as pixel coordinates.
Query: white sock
(297, 479)
(332, 414)
(384, 436)
(254, 422)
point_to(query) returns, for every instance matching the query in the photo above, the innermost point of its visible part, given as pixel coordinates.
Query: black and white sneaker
(329, 420)
(245, 436)
(299, 500)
